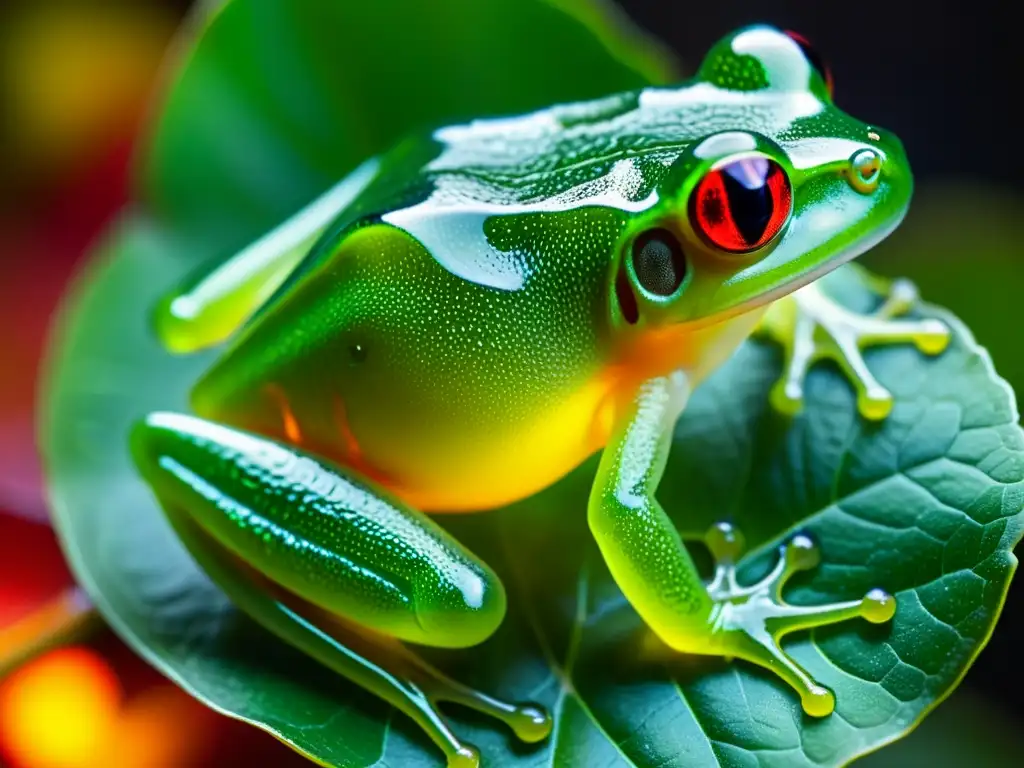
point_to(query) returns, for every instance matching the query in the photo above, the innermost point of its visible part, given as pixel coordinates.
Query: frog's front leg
(239, 501)
(651, 565)
(812, 326)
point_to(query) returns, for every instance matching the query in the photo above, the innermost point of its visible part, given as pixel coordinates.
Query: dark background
(945, 77)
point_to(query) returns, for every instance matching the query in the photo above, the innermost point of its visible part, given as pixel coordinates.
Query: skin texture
(465, 319)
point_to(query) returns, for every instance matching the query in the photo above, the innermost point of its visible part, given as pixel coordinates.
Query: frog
(467, 318)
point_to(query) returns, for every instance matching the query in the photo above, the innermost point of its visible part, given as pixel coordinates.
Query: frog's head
(776, 187)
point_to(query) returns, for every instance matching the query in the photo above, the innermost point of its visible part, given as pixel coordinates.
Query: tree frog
(468, 317)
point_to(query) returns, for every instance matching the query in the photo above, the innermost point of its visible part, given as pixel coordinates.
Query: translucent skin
(446, 331)
(474, 313)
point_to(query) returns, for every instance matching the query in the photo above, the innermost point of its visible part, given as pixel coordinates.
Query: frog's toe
(532, 724)
(529, 722)
(873, 400)
(750, 621)
(850, 333)
(812, 326)
(787, 395)
(465, 756)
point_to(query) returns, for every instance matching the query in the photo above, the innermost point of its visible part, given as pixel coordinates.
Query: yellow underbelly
(474, 461)
(488, 468)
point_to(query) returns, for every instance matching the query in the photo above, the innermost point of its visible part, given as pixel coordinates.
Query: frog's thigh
(321, 532)
(330, 538)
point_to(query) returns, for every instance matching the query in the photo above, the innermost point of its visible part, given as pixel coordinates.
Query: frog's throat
(697, 350)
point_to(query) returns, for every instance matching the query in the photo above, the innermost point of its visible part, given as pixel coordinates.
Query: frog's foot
(530, 723)
(748, 622)
(811, 326)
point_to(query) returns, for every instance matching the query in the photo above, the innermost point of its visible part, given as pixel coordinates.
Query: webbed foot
(530, 723)
(748, 622)
(812, 326)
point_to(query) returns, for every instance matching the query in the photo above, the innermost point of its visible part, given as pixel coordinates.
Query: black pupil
(659, 262)
(750, 198)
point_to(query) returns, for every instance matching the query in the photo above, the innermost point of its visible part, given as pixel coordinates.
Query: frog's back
(453, 348)
(451, 334)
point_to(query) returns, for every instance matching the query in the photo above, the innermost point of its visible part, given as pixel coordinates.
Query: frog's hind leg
(208, 311)
(342, 547)
(812, 326)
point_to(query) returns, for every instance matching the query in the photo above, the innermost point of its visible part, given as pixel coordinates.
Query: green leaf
(927, 505)
(278, 101)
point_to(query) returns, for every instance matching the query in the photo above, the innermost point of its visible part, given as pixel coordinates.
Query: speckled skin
(504, 333)
(452, 338)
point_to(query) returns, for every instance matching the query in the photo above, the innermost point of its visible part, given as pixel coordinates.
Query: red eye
(814, 59)
(741, 205)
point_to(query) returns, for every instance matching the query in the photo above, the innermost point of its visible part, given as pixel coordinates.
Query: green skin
(448, 330)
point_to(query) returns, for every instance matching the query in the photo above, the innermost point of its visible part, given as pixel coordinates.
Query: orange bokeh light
(60, 711)
(162, 728)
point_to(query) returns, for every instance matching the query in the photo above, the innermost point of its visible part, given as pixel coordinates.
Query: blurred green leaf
(278, 101)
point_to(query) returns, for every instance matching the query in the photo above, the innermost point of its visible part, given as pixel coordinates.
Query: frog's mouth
(815, 241)
(865, 244)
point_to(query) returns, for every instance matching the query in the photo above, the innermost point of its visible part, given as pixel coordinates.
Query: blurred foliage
(72, 76)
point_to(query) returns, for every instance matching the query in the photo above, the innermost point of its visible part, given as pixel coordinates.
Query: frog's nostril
(865, 170)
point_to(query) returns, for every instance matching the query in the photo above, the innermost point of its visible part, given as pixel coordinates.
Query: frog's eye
(741, 205)
(658, 262)
(813, 58)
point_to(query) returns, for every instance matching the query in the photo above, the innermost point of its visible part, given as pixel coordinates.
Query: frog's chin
(819, 270)
(822, 269)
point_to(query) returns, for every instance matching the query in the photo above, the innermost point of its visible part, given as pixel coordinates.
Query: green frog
(468, 317)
